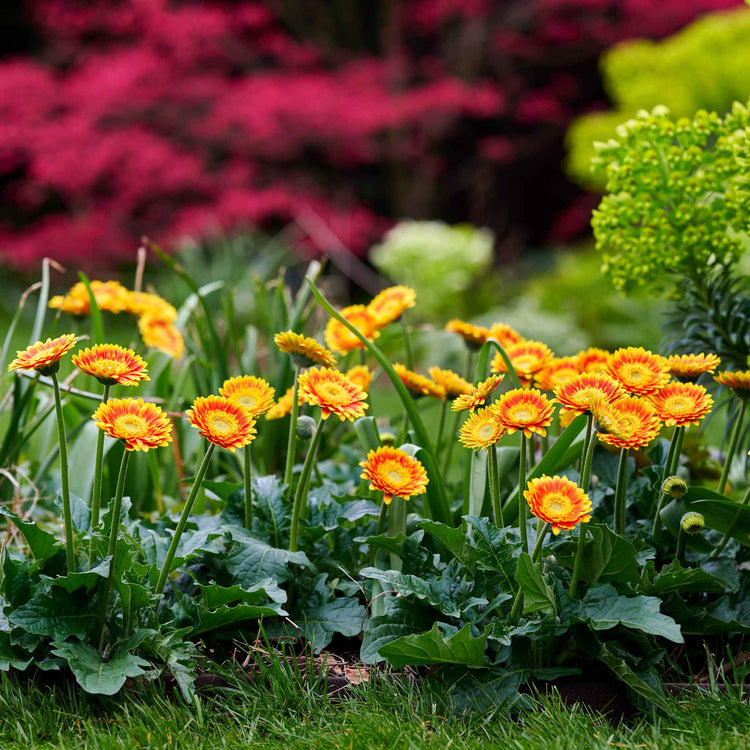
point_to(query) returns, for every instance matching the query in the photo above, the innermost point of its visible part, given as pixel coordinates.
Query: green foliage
(704, 66)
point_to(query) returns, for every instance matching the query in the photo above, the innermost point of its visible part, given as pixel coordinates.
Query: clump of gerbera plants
(210, 511)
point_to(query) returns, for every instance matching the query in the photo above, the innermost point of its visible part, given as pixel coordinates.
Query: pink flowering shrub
(190, 118)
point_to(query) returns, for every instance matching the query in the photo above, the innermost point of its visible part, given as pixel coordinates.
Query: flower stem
(494, 477)
(396, 526)
(299, 496)
(380, 530)
(65, 485)
(725, 539)
(112, 547)
(247, 475)
(672, 456)
(291, 442)
(732, 448)
(407, 343)
(542, 530)
(441, 427)
(183, 519)
(96, 495)
(521, 502)
(679, 554)
(621, 491)
(587, 455)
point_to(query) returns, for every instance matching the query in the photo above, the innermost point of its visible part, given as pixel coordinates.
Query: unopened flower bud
(675, 487)
(305, 427)
(692, 523)
(387, 438)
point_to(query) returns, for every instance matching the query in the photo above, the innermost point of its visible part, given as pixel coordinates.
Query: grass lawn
(278, 713)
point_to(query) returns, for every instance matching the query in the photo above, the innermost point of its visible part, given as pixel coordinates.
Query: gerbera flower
(479, 396)
(393, 472)
(222, 422)
(505, 335)
(527, 410)
(737, 381)
(453, 383)
(528, 358)
(419, 384)
(140, 424)
(333, 392)
(575, 394)
(631, 422)
(640, 371)
(593, 360)
(482, 429)
(558, 502)
(145, 303)
(110, 296)
(558, 371)
(303, 350)
(111, 364)
(253, 394)
(682, 404)
(361, 375)
(474, 336)
(162, 335)
(339, 338)
(283, 406)
(44, 356)
(391, 303)
(691, 366)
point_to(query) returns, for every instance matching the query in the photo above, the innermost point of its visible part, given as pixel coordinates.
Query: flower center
(247, 401)
(524, 363)
(221, 423)
(486, 431)
(131, 426)
(678, 404)
(395, 476)
(522, 414)
(332, 391)
(635, 373)
(109, 367)
(558, 505)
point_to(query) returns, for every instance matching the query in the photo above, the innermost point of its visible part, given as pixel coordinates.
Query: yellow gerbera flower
(631, 422)
(393, 472)
(593, 360)
(527, 410)
(505, 335)
(283, 406)
(333, 392)
(419, 384)
(44, 356)
(361, 375)
(162, 335)
(639, 370)
(339, 338)
(303, 350)
(222, 422)
(737, 381)
(453, 383)
(253, 394)
(390, 304)
(145, 303)
(140, 424)
(479, 396)
(558, 502)
(692, 366)
(682, 404)
(558, 371)
(575, 394)
(474, 336)
(482, 429)
(110, 296)
(111, 364)
(528, 358)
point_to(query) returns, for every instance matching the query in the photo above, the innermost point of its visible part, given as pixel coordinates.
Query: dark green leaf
(489, 690)
(537, 595)
(454, 539)
(624, 672)
(323, 614)
(673, 578)
(251, 560)
(402, 617)
(57, 614)
(42, 544)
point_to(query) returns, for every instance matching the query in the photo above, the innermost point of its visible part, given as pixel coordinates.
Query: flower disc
(140, 424)
(111, 364)
(253, 394)
(44, 356)
(333, 392)
(394, 472)
(558, 502)
(222, 422)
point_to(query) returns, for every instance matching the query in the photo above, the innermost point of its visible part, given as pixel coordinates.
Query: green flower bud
(692, 523)
(387, 438)
(305, 427)
(675, 487)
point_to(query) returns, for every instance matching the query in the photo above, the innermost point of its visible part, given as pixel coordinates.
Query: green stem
(407, 343)
(441, 427)
(291, 441)
(396, 526)
(587, 456)
(521, 500)
(112, 546)
(679, 554)
(65, 486)
(302, 487)
(451, 442)
(725, 539)
(620, 492)
(493, 473)
(96, 494)
(732, 449)
(247, 477)
(542, 530)
(380, 530)
(166, 568)
(673, 444)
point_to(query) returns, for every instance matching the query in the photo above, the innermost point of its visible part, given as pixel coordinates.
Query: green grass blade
(41, 307)
(97, 326)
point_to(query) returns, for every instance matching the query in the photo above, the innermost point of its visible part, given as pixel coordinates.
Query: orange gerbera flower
(339, 338)
(419, 384)
(109, 295)
(640, 371)
(145, 303)
(253, 394)
(691, 366)
(505, 335)
(631, 422)
(558, 371)
(360, 375)
(393, 472)
(44, 356)
(111, 364)
(474, 336)
(526, 410)
(479, 396)
(303, 350)
(482, 429)
(333, 392)
(283, 406)
(593, 360)
(140, 424)
(222, 422)
(528, 358)
(558, 502)
(682, 404)
(162, 335)
(391, 303)
(453, 383)
(737, 381)
(575, 394)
